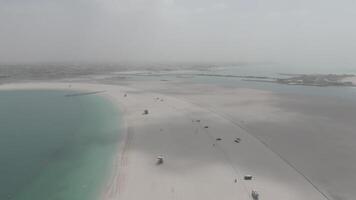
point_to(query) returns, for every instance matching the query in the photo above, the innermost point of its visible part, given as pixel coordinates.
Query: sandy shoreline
(197, 166)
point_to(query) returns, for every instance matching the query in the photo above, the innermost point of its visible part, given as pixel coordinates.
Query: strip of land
(322, 80)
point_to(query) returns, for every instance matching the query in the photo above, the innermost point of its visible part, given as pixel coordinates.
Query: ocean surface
(54, 147)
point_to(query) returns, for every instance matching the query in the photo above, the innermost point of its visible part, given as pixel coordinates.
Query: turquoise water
(54, 147)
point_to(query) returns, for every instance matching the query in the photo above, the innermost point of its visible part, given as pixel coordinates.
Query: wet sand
(315, 134)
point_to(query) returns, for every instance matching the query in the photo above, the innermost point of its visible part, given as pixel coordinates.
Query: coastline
(198, 166)
(113, 175)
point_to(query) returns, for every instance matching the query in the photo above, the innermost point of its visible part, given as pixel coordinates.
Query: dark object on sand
(159, 160)
(254, 195)
(237, 140)
(145, 112)
(248, 177)
(125, 95)
(218, 139)
(235, 180)
(206, 126)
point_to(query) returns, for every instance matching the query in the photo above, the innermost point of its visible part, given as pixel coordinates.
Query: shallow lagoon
(55, 147)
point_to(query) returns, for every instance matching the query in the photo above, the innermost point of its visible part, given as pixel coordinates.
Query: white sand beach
(201, 158)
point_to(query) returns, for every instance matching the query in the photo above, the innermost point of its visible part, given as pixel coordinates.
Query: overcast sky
(285, 31)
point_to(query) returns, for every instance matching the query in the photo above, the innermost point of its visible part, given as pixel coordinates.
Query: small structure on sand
(159, 160)
(218, 139)
(237, 140)
(145, 112)
(254, 195)
(206, 126)
(248, 177)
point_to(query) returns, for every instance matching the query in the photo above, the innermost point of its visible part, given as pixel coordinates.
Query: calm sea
(54, 147)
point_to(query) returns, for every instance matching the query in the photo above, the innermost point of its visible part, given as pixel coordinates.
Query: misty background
(309, 32)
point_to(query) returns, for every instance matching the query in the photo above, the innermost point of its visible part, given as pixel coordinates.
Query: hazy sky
(290, 31)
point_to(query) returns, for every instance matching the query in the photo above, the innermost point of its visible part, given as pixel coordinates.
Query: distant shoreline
(320, 80)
